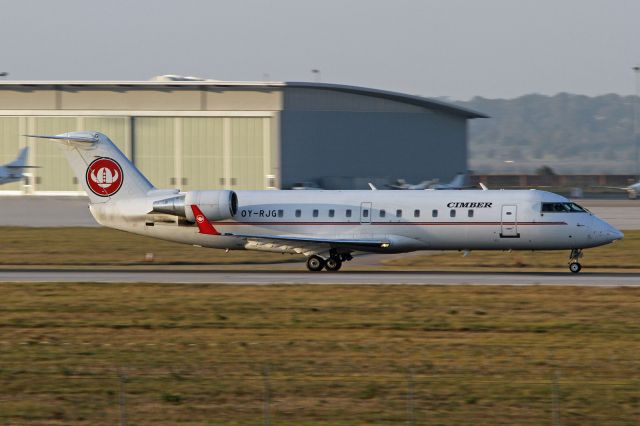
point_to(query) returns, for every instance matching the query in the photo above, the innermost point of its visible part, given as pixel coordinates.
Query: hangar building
(198, 134)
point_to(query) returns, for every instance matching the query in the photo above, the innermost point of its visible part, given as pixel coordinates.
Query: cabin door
(509, 222)
(365, 212)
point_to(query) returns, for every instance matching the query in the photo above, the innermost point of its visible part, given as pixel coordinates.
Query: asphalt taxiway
(592, 279)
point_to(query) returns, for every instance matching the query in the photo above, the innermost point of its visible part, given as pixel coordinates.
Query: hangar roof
(396, 96)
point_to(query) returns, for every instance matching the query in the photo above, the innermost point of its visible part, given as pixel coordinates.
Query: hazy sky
(455, 48)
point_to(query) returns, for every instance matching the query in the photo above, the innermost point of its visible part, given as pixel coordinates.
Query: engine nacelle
(215, 205)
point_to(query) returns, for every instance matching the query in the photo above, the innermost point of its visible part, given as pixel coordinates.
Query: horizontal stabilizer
(68, 137)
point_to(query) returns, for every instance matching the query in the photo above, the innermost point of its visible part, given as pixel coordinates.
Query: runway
(592, 279)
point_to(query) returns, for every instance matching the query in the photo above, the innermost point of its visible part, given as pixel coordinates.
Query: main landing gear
(574, 265)
(333, 263)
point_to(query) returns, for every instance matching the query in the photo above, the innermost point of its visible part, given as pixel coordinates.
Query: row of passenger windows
(365, 213)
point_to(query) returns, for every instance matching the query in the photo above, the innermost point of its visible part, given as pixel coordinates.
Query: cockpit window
(562, 208)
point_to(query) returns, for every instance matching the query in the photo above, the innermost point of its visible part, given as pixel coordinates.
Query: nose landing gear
(574, 265)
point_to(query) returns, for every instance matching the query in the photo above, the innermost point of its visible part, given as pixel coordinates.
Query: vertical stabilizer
(105, 173)
(21, 161)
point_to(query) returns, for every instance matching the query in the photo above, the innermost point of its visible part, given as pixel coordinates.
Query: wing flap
(334, 242)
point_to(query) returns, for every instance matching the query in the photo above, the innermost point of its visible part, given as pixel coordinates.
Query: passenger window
(315, 212)
(298, 213)
(280, 213)
(398, 213)
(348, 212)
(470, 213)
(332, 213)
(452, 213)
(434, 213)
(383, 213)
(416, 213)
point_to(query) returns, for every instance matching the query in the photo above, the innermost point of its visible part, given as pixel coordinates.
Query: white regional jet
(13, 171)
(328, 226)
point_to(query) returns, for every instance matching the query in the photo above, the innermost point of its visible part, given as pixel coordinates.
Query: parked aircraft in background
(305, 186)
(13, 171)
(458, 182)
(328, 226)
(632, 190)
(402, 184)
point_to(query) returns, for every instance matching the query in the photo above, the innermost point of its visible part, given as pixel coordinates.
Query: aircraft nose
(611, 233)
(607, 232)
(616, 234)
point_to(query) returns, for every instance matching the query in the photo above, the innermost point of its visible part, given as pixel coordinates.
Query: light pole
(636, 137)
(317, 74)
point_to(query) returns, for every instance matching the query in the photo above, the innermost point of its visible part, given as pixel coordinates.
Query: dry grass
(339, 355)
(108, 248)
(105, 247)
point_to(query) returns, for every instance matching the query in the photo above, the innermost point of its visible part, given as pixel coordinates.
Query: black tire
(333, 264)
(575, 267)
(315, 263)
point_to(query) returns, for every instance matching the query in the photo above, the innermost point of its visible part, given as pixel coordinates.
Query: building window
(470, 213)
(298, 213)
(348, 212)
(280, 213)
(398, 213)
(383, 213)
(416, 213)
(332, 212)
(452, 213)
(315, 212)
(434, 213)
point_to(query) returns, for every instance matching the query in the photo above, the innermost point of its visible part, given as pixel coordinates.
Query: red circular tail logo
(104, 177)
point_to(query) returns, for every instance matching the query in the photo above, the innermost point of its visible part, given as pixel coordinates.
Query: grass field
(108, 248)
(328, 355)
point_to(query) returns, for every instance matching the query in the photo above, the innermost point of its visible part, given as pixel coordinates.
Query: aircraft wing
(619, 188)
(333, 242)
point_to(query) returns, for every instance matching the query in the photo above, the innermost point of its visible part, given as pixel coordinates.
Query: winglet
(204, 226)
(372, 186)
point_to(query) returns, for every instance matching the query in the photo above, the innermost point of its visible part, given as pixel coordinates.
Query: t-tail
(21, 161)
(105, 172)
(458, 181)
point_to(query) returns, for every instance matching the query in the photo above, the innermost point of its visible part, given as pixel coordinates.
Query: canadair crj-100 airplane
(328, 226)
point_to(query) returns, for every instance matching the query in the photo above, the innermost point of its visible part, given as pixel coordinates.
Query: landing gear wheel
(333, 264)
(315, 263)
(574, 265)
